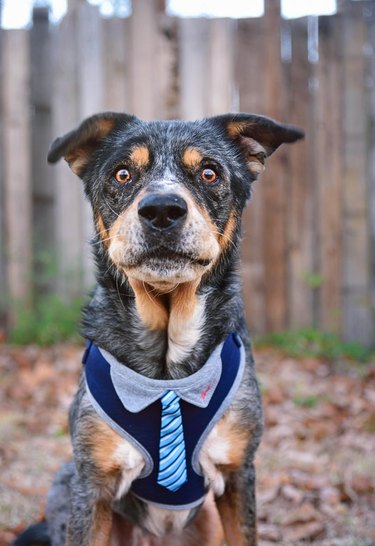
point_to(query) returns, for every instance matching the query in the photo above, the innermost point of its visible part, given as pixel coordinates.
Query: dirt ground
(316, 464)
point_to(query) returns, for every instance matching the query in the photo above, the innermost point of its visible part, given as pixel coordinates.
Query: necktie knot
(172, 463)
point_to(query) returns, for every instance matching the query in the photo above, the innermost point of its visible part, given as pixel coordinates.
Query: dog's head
(167, 196)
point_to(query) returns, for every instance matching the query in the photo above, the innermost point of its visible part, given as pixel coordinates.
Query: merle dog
(166, 318)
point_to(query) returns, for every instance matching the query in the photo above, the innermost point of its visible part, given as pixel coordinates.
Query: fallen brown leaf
(291, 493)
(307, 531)
(269, 532)
(305, 512)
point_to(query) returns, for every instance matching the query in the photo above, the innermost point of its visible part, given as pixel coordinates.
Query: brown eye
(123, 175)
(209, 175)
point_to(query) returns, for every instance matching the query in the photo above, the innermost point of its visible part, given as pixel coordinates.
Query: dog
(166, 332)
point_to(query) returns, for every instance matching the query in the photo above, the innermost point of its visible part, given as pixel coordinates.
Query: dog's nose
(162, 211)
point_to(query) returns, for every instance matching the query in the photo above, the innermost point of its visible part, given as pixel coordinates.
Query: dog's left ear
(257, 136)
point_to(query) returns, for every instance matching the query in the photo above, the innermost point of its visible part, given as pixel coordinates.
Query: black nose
(161, 211)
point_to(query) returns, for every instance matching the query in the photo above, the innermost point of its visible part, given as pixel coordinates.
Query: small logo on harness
(205, 392)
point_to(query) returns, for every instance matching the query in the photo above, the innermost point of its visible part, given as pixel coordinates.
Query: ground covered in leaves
(316, 464)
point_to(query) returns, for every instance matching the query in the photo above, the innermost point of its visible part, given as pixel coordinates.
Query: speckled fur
(113, 321)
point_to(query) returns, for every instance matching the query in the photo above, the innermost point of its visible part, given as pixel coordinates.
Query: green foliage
(52, 320)
(312, 342)
(308, 401)
(314, 280)
(369, 543)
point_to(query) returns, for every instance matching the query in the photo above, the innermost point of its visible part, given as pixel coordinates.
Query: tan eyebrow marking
(140, 156)
(192, 157)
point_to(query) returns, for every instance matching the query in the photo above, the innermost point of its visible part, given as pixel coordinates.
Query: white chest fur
(184, 332)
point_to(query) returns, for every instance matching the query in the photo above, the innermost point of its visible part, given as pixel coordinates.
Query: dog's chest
(224, 448)
(119, 462)
(158, 520)
(128, 455)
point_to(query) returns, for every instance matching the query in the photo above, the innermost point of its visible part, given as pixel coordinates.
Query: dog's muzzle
(162, 212)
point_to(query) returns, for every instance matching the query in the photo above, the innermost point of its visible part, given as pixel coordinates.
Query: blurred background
(308, 265)
(308, 249)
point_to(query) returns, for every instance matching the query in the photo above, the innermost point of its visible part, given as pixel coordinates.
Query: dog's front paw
(132, 463)
(213, 453)
(213, 478)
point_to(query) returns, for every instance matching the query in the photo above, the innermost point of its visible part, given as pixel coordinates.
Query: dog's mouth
(165, 257)
(161, 265)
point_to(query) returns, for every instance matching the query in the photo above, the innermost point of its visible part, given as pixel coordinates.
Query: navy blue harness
(143, 428)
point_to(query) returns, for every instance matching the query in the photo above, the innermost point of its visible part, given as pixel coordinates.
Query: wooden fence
(308, 253)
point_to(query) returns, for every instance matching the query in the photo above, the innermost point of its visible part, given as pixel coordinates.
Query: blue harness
(142, 428)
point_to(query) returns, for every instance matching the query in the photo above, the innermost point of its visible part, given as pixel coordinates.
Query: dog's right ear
(77, 146)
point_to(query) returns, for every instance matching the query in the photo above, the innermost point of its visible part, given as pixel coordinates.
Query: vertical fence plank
(369, 13)
(68, 190)
(358, 321)
(248, 74)
(329, 173)
(3, 268)
(313, 56)
(300, 218)
(220, 66)
(274, 217)
(89, 44)
(17, 163)
(42, 174)
(166, 82)
(143, 65)
(116, 64)
(193, 64)
(90, 82)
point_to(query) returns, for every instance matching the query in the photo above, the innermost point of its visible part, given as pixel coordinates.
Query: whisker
(225, 237)
(106, 239)
(105, 230)
(111, 266)
(158, 293)
(149, 293)
(118, 290)
(109, 206)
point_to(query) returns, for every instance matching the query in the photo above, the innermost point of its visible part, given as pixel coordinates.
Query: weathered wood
(68, 196)
(193, 65)
(220, 75)
(165, 85)
(329, 172)
(116, 65)
(358, 320)
(3, 264)
(143, 73)
(89, 44)
(354, 112)
(249, 71)
(90, 82)
(274, 217)
(17, 165)
(313, 161)
(370, 107)
(300, 213)
(248, 75)
(42, 174)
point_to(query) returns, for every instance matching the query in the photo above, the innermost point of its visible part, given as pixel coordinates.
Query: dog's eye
(209, 175)
(123, 176)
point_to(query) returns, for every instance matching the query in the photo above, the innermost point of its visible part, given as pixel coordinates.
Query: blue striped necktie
(172, 463)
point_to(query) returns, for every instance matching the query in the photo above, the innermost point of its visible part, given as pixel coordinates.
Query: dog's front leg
(237, 508)
(90, 520)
